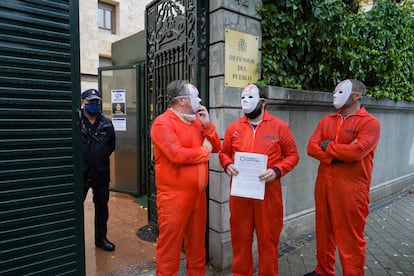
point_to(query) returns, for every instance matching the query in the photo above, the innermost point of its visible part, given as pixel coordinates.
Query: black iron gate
(176, 49)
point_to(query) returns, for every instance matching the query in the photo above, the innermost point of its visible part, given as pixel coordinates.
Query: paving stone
(379, 272)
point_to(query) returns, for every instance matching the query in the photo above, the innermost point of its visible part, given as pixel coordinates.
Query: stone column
(240, 16)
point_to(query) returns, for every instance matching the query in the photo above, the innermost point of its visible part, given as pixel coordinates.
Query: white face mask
(341, 94)
(194, 99)
(189, 117)
(249, 98)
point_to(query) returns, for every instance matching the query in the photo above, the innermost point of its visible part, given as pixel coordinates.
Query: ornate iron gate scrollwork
(176, 49)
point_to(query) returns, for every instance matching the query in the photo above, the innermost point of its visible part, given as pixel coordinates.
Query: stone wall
(393, 161)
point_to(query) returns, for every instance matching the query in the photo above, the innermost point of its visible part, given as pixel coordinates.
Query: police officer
(98, 142)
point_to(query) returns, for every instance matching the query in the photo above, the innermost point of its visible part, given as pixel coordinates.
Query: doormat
(143, 201)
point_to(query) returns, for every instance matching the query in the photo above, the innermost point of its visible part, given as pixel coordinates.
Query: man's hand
(203, 115)
(207, 144)
(324, 144)
(336, 161)
(231, 170)
(268, 175)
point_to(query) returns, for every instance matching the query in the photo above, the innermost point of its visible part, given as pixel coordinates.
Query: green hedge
(314, 44)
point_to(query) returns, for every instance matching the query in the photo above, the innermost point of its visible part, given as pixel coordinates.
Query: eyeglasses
(182, 96)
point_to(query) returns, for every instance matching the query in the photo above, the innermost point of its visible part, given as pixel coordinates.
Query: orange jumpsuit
(342, 189)
(181, 173)
(273, 138)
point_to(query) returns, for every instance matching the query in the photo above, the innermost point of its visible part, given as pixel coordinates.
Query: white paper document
(247, 182)
(119, 124)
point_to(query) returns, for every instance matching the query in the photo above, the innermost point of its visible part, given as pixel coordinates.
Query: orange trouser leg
(241, 228)
(173, 218)
(325, 242)
(195, 238)
(350, 214)
(340, 222)
(269, 224)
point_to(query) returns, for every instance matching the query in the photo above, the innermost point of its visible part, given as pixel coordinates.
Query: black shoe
(313, 273)
(105, 245)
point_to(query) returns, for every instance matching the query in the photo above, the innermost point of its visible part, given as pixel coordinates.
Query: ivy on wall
(314, 44)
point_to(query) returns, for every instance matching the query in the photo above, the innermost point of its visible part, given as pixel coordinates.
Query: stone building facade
(95, 45)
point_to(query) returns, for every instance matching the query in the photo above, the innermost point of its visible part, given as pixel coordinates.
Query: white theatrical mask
(194, 99)
(341, 94)
(249, 98)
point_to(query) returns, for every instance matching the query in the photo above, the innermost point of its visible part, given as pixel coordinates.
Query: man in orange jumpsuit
(258, 132)
(183, 138)
(344, 143)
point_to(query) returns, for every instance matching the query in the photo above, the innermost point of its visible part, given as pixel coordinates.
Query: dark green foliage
(314, 44)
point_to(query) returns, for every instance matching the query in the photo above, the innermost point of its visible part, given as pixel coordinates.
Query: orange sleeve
(314, 148)
(226, 151)
(289, 151)
(164, 136)
(365, 143)
(212, 136)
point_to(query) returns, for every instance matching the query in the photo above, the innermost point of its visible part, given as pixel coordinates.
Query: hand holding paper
(268, 175)
(231, 170)
(247, 182)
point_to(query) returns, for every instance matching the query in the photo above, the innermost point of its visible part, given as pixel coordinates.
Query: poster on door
(118, 101)
(119, 124)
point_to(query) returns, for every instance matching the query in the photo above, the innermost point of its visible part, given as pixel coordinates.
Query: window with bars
(106, 18)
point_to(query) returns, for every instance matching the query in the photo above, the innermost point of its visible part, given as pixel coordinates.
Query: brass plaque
(241, 58)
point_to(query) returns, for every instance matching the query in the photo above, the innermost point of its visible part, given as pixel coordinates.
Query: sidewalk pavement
(390, 244)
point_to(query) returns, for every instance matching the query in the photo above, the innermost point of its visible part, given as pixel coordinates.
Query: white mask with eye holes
(194, 99)
(249, 98)
(341, 94)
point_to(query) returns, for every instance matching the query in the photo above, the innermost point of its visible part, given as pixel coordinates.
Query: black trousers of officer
(100, 200)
